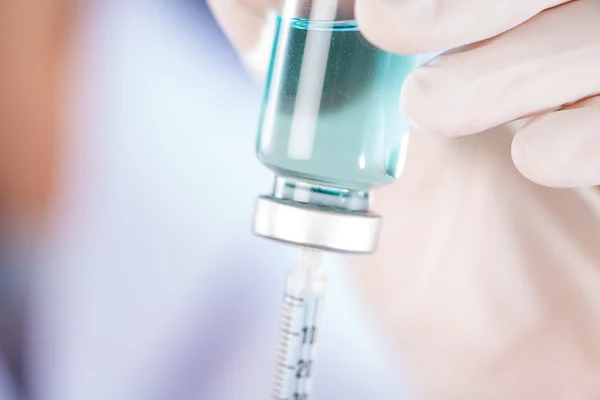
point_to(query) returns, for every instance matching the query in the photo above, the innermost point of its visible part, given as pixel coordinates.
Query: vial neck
(302, 191)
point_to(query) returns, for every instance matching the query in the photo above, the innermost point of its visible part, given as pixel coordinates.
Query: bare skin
(33, 44)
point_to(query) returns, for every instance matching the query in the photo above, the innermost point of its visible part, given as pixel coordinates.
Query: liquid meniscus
(331, 113)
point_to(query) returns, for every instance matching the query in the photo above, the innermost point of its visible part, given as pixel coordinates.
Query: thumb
(250, 26)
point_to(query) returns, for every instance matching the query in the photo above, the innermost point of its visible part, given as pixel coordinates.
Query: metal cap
(316, 227)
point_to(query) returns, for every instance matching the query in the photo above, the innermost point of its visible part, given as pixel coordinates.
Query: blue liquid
(331, 113)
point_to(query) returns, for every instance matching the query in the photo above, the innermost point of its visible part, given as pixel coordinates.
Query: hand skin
(485, 284)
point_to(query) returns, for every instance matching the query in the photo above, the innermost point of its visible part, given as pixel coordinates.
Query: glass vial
(331, 126)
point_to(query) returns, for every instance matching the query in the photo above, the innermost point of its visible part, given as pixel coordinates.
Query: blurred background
(139, 278)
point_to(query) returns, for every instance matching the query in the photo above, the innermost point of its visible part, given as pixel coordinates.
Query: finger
(250, 27)
(550, 61)
(242, 20)
(562, 148)
(421, 26)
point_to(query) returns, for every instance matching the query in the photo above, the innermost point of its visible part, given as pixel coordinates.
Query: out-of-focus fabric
(149, 284)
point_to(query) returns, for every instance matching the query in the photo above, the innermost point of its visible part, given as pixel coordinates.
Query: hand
(521, 58)
(485, 283)
(481, 279)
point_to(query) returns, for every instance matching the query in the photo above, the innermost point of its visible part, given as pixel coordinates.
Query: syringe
(331, 131)
(302, 306)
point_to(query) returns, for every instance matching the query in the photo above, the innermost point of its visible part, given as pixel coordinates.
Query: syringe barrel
(300, 318)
